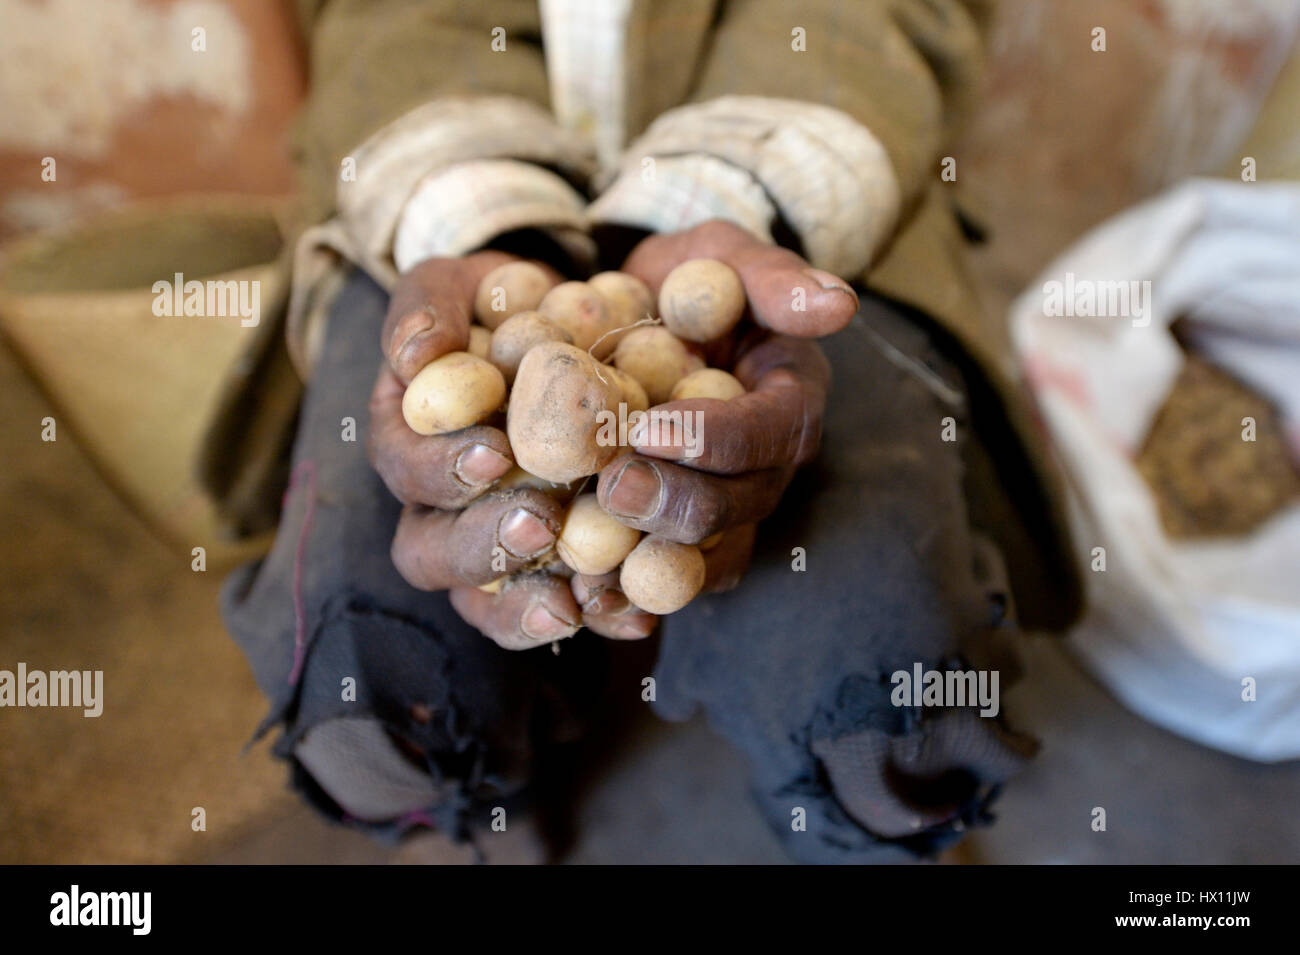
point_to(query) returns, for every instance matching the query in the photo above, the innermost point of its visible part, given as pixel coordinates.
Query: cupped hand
(732, 467)
(457, 532)
(429, 316)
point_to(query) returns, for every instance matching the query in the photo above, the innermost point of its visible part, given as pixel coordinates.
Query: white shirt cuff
(672, 193)
(464, 207)
(828, 176)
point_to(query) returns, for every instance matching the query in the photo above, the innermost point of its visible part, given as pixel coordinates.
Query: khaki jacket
(434, 125)
(824, 119)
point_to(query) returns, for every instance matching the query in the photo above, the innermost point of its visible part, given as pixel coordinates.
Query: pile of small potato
(554, 357)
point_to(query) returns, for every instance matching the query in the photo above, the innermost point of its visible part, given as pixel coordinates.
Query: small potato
(517, 334)
(701, 300)
(657, 359)
(628, 300)
(661, 576)
(508, 290)
(452, 392)
(634, 395)
(480, 341)
(708, 383)
(559, 404)
(580, 310)
(592, 542)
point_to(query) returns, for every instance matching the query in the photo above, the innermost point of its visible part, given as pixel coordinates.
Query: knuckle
(402, 554)
(808, 441)
(400, 479)
(736, 449)
(390, 472)
(697, 514)
(716, 230)
(820, 363)
(373, 448)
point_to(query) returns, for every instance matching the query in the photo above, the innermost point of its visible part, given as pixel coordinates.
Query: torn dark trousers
(869, 567)
(395, 713)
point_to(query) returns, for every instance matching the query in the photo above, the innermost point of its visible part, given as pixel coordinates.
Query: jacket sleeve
(828, 118)
(373, 61)
(825, 124)
(426, 132)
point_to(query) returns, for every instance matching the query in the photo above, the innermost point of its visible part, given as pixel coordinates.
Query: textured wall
(1066, 136)
(117, 94)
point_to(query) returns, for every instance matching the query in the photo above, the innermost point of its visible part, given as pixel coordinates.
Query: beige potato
(657, 359)
(708, 383)
(592, 542)
(701, 300)
(634, 395)
(661, 576)
(581, 311)
(558, 404)
(508, 290)
(628, 300)
(517, 334)
(480, 341)
(452, 392)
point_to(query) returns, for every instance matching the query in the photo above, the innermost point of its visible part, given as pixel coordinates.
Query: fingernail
(540, 624)
(409, 339)
(829, 282)
(588, 600)
(523, 533)
(479, 464)
(584, 593)
(636, 491)
(607, 602)
(633, 630)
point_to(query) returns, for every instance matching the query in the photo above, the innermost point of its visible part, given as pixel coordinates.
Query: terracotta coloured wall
(1066, 136)
(113, 90)
(117, 94)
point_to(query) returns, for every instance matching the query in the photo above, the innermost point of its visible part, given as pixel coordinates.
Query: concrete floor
(1167, 800)
(83, 585)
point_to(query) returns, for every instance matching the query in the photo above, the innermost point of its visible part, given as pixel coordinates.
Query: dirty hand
(455, 532)
(730, 470)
